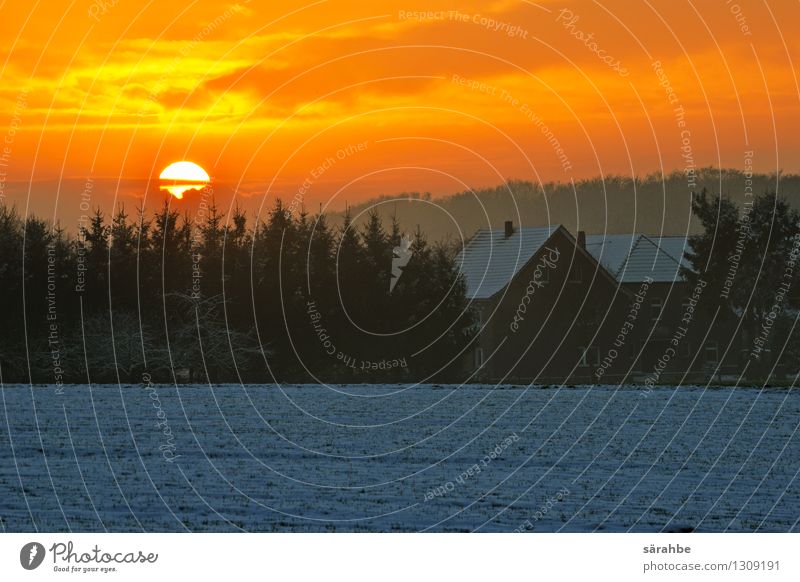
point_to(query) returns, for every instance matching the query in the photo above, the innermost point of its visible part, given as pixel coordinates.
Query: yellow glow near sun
(184, 176)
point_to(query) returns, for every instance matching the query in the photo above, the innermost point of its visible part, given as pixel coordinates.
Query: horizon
(433, 218)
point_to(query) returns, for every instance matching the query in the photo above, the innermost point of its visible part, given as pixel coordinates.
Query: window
(477, 358)
(744, 355)
(478, 313)
(656, 305)
(588, 356)
(711, 353)
(593, 315)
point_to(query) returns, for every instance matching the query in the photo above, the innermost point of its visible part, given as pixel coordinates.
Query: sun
(184, 172)
(183, 176)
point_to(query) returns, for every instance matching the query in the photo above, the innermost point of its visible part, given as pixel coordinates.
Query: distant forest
(614, 204)
(170, 298)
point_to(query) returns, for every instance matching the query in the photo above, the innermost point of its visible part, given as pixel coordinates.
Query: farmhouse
(553, 307)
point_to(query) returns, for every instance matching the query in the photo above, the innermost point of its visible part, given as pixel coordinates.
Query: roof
(676, 246)
(632, 258)
(506, 256)
(489, 261)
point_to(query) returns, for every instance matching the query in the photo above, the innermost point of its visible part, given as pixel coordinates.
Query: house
(550, 307)
(541, 302)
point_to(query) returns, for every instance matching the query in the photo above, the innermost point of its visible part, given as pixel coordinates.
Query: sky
(330, 103)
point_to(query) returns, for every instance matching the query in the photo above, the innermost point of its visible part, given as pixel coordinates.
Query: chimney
(582, 239)
(509, 228)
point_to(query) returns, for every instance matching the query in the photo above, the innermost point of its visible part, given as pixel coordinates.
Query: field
(398, 458)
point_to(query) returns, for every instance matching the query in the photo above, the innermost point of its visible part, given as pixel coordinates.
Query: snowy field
(398, 458)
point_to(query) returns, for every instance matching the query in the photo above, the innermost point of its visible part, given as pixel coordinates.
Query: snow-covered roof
(675, 246)
(490, 260)
(631, 258)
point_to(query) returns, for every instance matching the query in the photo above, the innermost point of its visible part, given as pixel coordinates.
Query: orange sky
(272, 98)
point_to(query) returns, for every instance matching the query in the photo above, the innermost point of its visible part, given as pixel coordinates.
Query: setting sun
(184, 176)
(184, 172)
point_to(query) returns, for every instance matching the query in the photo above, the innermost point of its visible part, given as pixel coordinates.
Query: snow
(631, 258)
(675, 246)
(490, 260)
(399, 458)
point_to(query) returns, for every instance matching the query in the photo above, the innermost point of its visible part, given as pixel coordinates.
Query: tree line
(225, 299)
